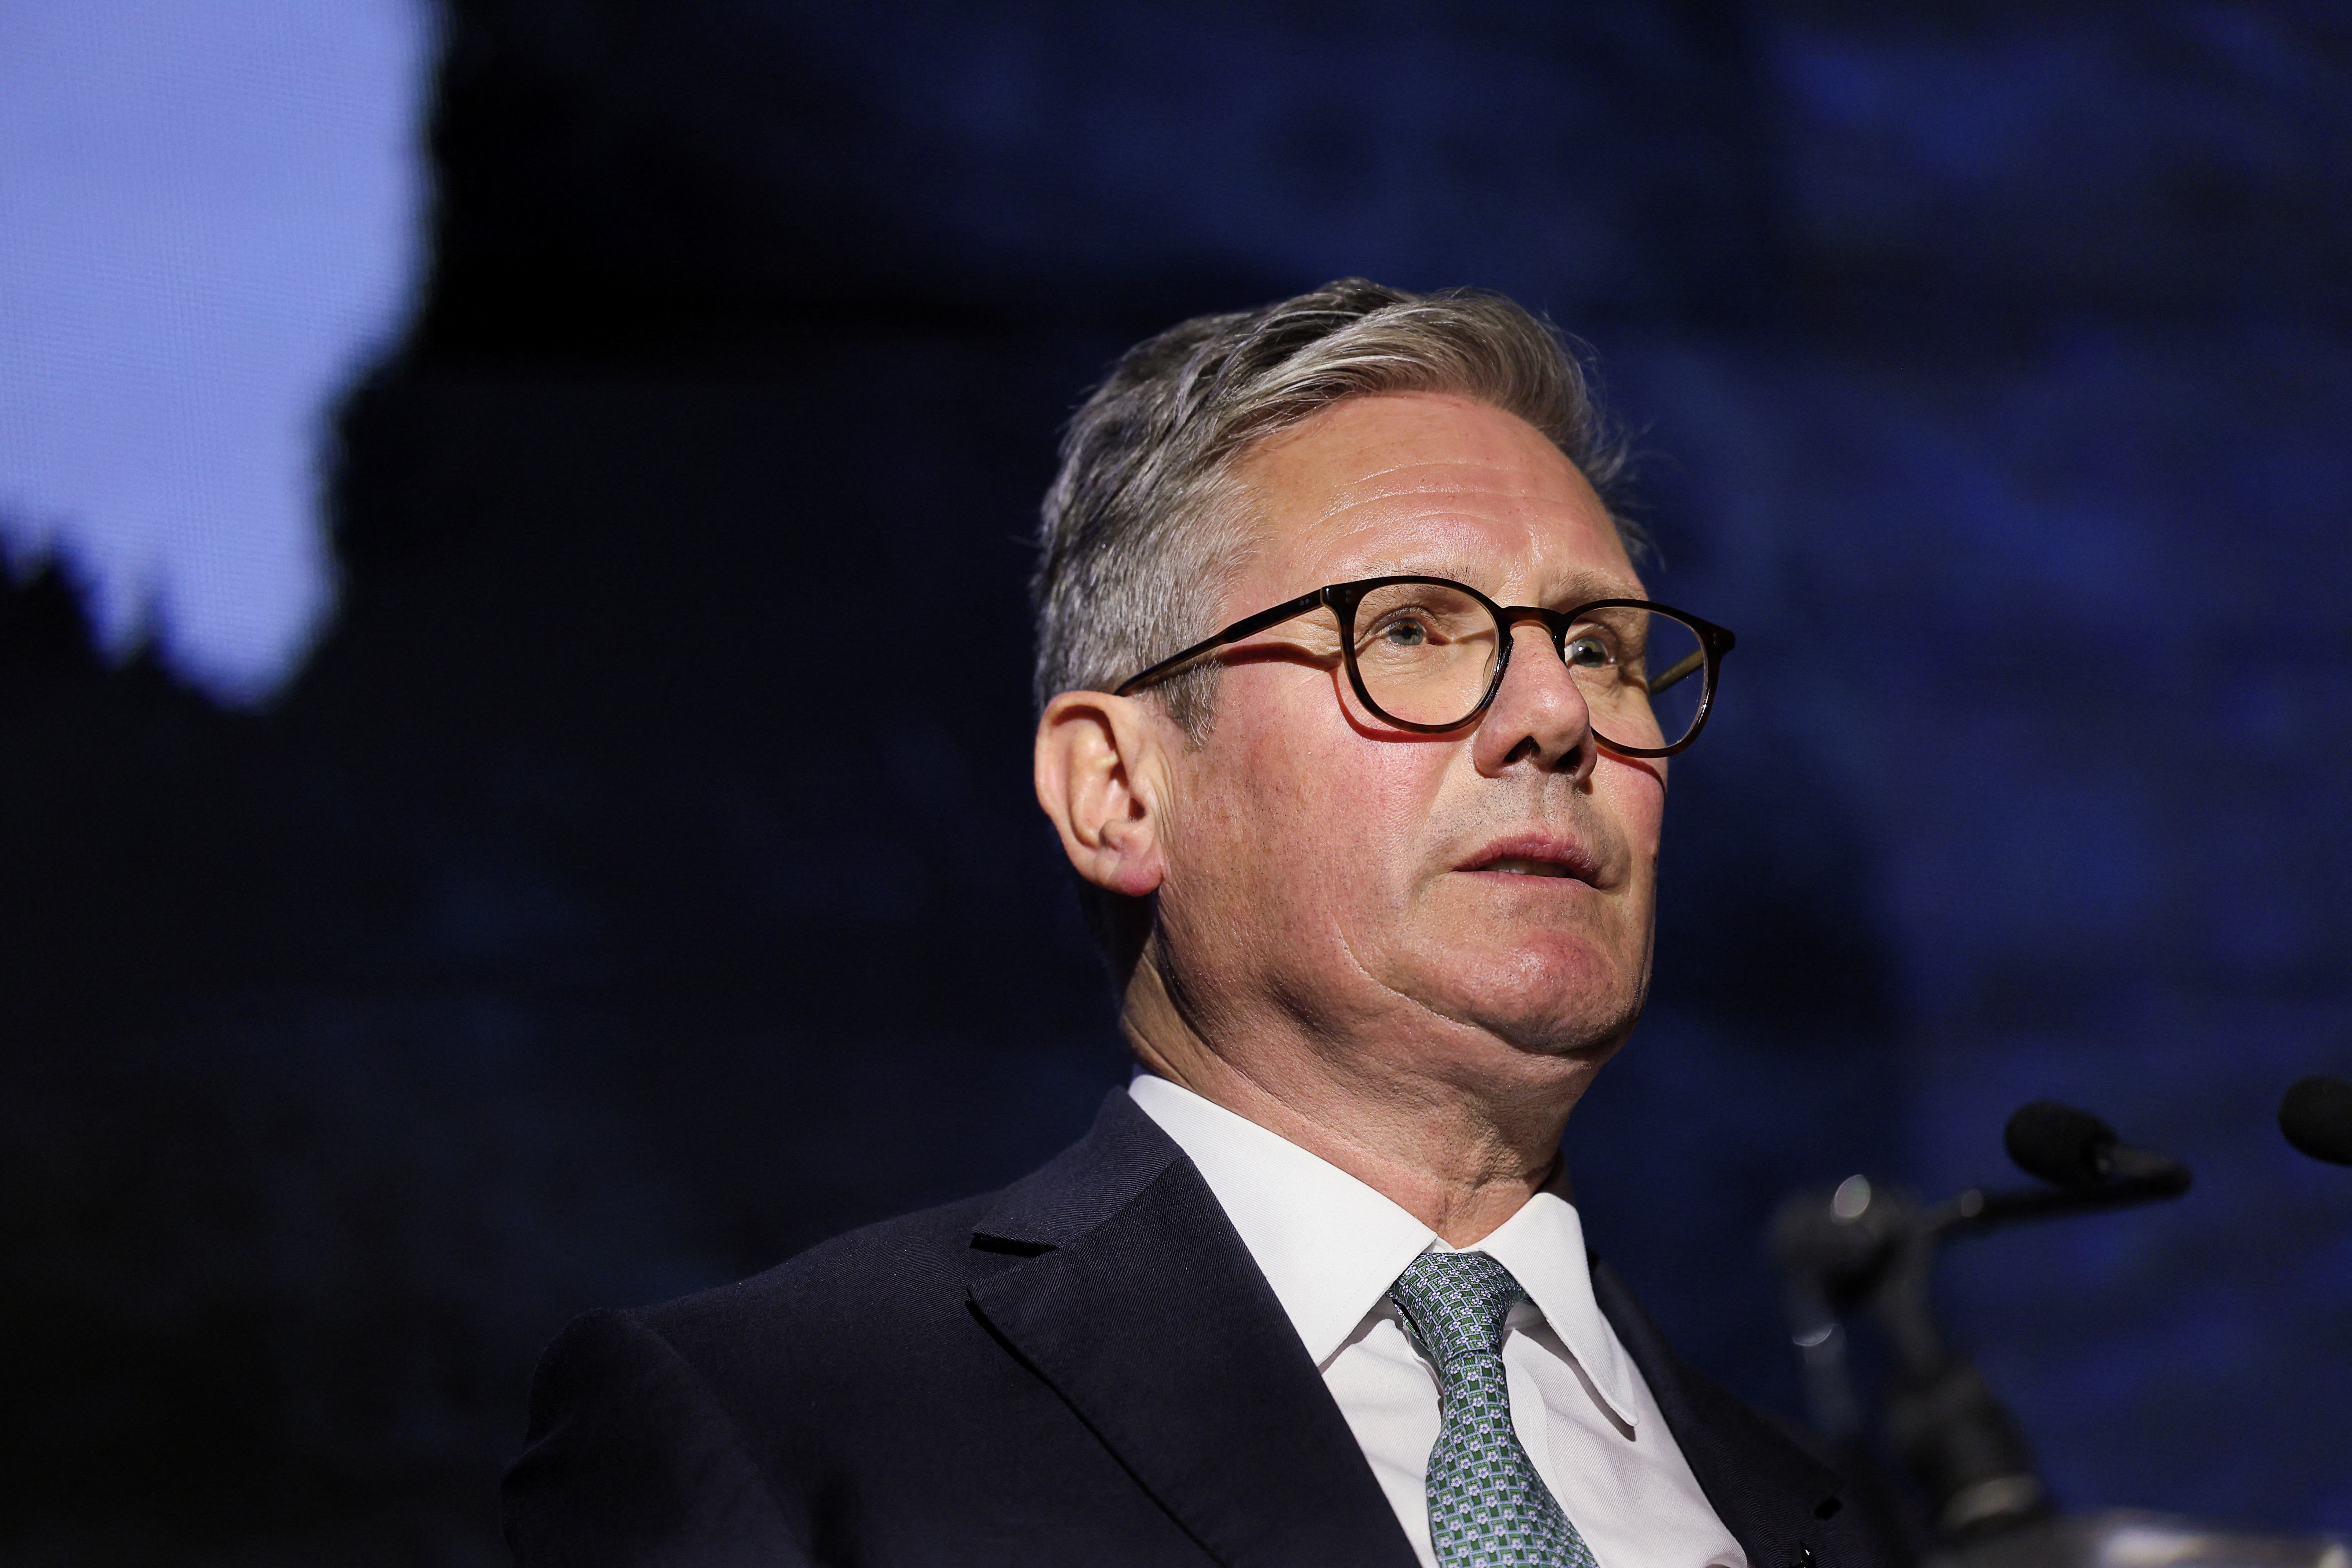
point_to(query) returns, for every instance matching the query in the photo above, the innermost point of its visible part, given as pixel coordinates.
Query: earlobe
(1100, 776)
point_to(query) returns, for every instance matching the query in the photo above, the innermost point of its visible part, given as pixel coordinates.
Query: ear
(1102, 775)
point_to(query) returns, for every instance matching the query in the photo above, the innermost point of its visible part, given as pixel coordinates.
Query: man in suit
(1374, 865)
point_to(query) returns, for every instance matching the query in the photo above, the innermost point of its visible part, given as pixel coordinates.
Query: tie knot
(1455, 1303)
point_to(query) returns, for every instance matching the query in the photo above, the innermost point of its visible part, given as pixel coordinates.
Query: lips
(1540, 854)
(1520, 866)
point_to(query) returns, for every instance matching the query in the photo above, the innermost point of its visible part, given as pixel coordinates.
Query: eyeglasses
(1428, 654)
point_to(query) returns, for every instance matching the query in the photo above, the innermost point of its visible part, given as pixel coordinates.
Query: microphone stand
(1871, 1249)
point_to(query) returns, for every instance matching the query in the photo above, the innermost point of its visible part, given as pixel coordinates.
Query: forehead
(1429, 483)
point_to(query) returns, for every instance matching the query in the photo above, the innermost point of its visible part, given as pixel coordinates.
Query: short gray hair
(1141, 528)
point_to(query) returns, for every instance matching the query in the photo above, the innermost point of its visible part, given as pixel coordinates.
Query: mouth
(1539, 855)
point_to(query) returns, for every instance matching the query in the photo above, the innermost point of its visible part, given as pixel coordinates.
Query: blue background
(589, 921)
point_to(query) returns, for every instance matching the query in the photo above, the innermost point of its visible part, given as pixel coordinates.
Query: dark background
(641, 881)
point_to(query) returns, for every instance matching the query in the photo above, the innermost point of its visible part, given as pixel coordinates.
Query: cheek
(1330, 822)
(1342, 788)
(1633, 795)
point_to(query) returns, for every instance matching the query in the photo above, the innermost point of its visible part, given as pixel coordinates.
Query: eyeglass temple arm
(1248, 625)
(1713, 639)
(1687, 665)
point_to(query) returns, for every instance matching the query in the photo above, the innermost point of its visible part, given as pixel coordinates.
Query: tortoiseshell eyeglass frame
(1341, 599)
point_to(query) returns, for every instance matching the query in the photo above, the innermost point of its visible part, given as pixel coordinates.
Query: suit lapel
(1769, 1493)
(1144, 1310)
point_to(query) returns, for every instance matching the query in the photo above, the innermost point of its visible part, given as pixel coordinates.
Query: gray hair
(1142, 527)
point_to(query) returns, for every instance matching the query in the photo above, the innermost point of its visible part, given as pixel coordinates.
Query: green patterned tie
(1488, 1507)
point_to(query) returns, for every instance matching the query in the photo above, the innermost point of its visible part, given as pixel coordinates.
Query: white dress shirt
(1331, 1246)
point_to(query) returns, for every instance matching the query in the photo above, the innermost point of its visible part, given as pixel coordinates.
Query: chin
(1553, 998)
(1580, 1030)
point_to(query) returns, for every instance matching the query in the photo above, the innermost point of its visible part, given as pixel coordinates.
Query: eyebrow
(1582, 588)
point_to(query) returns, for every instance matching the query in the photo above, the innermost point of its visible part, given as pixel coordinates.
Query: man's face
(1485, 894)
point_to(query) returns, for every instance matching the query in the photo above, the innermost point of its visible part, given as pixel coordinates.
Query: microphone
(2317, 1116)
(2070, 1148)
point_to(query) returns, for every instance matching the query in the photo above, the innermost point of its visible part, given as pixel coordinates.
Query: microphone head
(2060, 1144)
(2317, 1116)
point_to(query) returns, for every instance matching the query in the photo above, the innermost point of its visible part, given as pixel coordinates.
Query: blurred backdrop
(513, 733)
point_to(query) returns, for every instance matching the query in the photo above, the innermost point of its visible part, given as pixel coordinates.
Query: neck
(1458, 1138)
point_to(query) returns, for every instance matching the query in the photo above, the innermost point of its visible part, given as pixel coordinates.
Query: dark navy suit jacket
(1085, 1368)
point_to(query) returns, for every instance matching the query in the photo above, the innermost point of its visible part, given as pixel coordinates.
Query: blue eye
(1587, 652)
(1405, 633)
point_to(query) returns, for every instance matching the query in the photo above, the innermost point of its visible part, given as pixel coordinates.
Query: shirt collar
(1330, 1246)
(1543, 1247)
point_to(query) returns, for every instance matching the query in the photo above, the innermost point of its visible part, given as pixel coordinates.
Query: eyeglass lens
(1426, 653)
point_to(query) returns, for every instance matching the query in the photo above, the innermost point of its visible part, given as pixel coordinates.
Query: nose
(1540, 715)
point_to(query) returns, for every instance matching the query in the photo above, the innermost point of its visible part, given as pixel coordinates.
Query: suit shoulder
(894, 1299)
(889, 1278)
